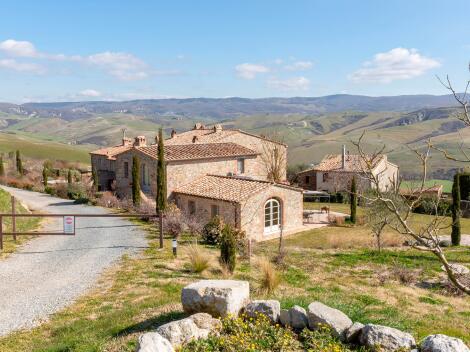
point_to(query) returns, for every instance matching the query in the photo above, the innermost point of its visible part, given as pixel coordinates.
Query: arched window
(272, 216)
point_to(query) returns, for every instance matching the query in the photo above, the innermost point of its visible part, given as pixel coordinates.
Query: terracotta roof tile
(111, 152)
(199, 151)
(353, 163)
(231, 189)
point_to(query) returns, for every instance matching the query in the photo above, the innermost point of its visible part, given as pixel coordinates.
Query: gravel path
(50, 272)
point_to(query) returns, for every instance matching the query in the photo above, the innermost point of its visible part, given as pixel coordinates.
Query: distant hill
(312, 127)
(231, 107)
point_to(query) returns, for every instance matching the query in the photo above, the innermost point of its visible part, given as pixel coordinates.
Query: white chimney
(343, 157)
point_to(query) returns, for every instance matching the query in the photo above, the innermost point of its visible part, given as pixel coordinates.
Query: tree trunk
(160, 227)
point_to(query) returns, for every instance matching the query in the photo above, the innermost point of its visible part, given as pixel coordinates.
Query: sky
(125, 50)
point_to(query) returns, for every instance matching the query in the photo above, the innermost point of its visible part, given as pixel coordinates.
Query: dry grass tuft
(269, 278)
(199, 261)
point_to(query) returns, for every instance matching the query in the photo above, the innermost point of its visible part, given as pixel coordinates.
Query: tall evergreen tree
(456, 232)
(94, 177)
(19, 163)
(69, 177)
(2, 167)
(353, 216)
(161, 183)
(44, 176)
(136, 180)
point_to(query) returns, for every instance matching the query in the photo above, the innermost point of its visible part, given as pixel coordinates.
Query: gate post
(13, 217)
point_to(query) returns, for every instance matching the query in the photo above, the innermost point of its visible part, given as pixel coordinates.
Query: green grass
(447, 185)
(22, 224)
(40, 149)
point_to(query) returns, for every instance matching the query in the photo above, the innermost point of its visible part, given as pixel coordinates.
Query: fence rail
(14, 215)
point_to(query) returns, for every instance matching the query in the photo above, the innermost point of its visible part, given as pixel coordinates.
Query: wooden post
(13, 217)
(1, 233)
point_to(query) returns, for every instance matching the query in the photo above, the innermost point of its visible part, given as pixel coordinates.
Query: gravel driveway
(50, 272)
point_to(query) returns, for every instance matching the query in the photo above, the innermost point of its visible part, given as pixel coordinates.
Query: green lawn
(447, 185)
(335, 265)
(22, 224)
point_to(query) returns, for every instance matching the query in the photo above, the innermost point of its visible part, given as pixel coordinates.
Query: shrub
(199, 261)
(323, 340)
(50, 190)
(228, 248)
(107, 200)
(269, 278)
(212, 231)
(242, 334)
(76, 191)
(174, 221)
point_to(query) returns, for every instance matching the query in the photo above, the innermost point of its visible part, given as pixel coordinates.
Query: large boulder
(296, 317)
(386, 339)
(269, 308)
(319, 314)
(443, 343)
(216, 297)
(353, 333)
(154, 342)
(197, 326)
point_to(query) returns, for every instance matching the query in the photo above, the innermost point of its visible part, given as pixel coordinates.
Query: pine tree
(44, 176)
(161, 183)
(2, 167)
(353, 216)
(456, 232)
(19, 163)
(228, 248)
(136, 181)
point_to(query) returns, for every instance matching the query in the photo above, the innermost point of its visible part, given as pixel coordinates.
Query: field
(24, 224)
(41, 149)
(447, 185)
(335, 265)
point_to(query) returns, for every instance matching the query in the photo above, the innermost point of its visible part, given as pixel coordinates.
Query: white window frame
(272, 216)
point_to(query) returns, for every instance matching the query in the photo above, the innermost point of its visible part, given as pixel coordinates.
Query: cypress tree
(456, 232)
(228, 248)
(2, 167)
(69, 177)
(44, 176)
(161, 183)
(136, 180)
(353, 216)
(94, 176)
(19, 163)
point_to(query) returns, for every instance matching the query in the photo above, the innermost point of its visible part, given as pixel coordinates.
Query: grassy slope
(447, 185)
(25, 224)
(40, 149)
(333, 265)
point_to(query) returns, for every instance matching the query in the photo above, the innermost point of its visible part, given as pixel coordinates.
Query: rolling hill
(312, 127)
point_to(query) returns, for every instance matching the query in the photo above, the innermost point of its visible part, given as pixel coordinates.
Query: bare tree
(424, 237)
(274, 159)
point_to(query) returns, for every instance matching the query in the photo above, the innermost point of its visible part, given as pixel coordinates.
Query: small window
(241, 166)
(214, 210)
(325, 177)
(126, 169)
(307, 179)
(192, 207)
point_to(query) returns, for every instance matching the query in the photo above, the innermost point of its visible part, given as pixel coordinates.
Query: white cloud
(90, 93)
(12, 64)
(17, 48)
(123, 66)
(289, 84)
(299, 66)
(396, 64)
(249, 71)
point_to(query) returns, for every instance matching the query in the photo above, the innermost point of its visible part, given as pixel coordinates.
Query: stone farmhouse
(211, 171)
(335, 172)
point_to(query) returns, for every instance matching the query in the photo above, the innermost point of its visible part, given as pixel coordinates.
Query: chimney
(126, 141)
(156, 139)
(173, 133)
(343, 157)
(140, 141)
(217, 127)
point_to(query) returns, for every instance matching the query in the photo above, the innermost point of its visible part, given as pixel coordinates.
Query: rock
(445, 243)
(296, 318)
(154, 342)
(216, 297)
(206, 321)
(386, 339)
(318, 314)
(353, 333)
(458, 269)
(443, 343)
(270, 308)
